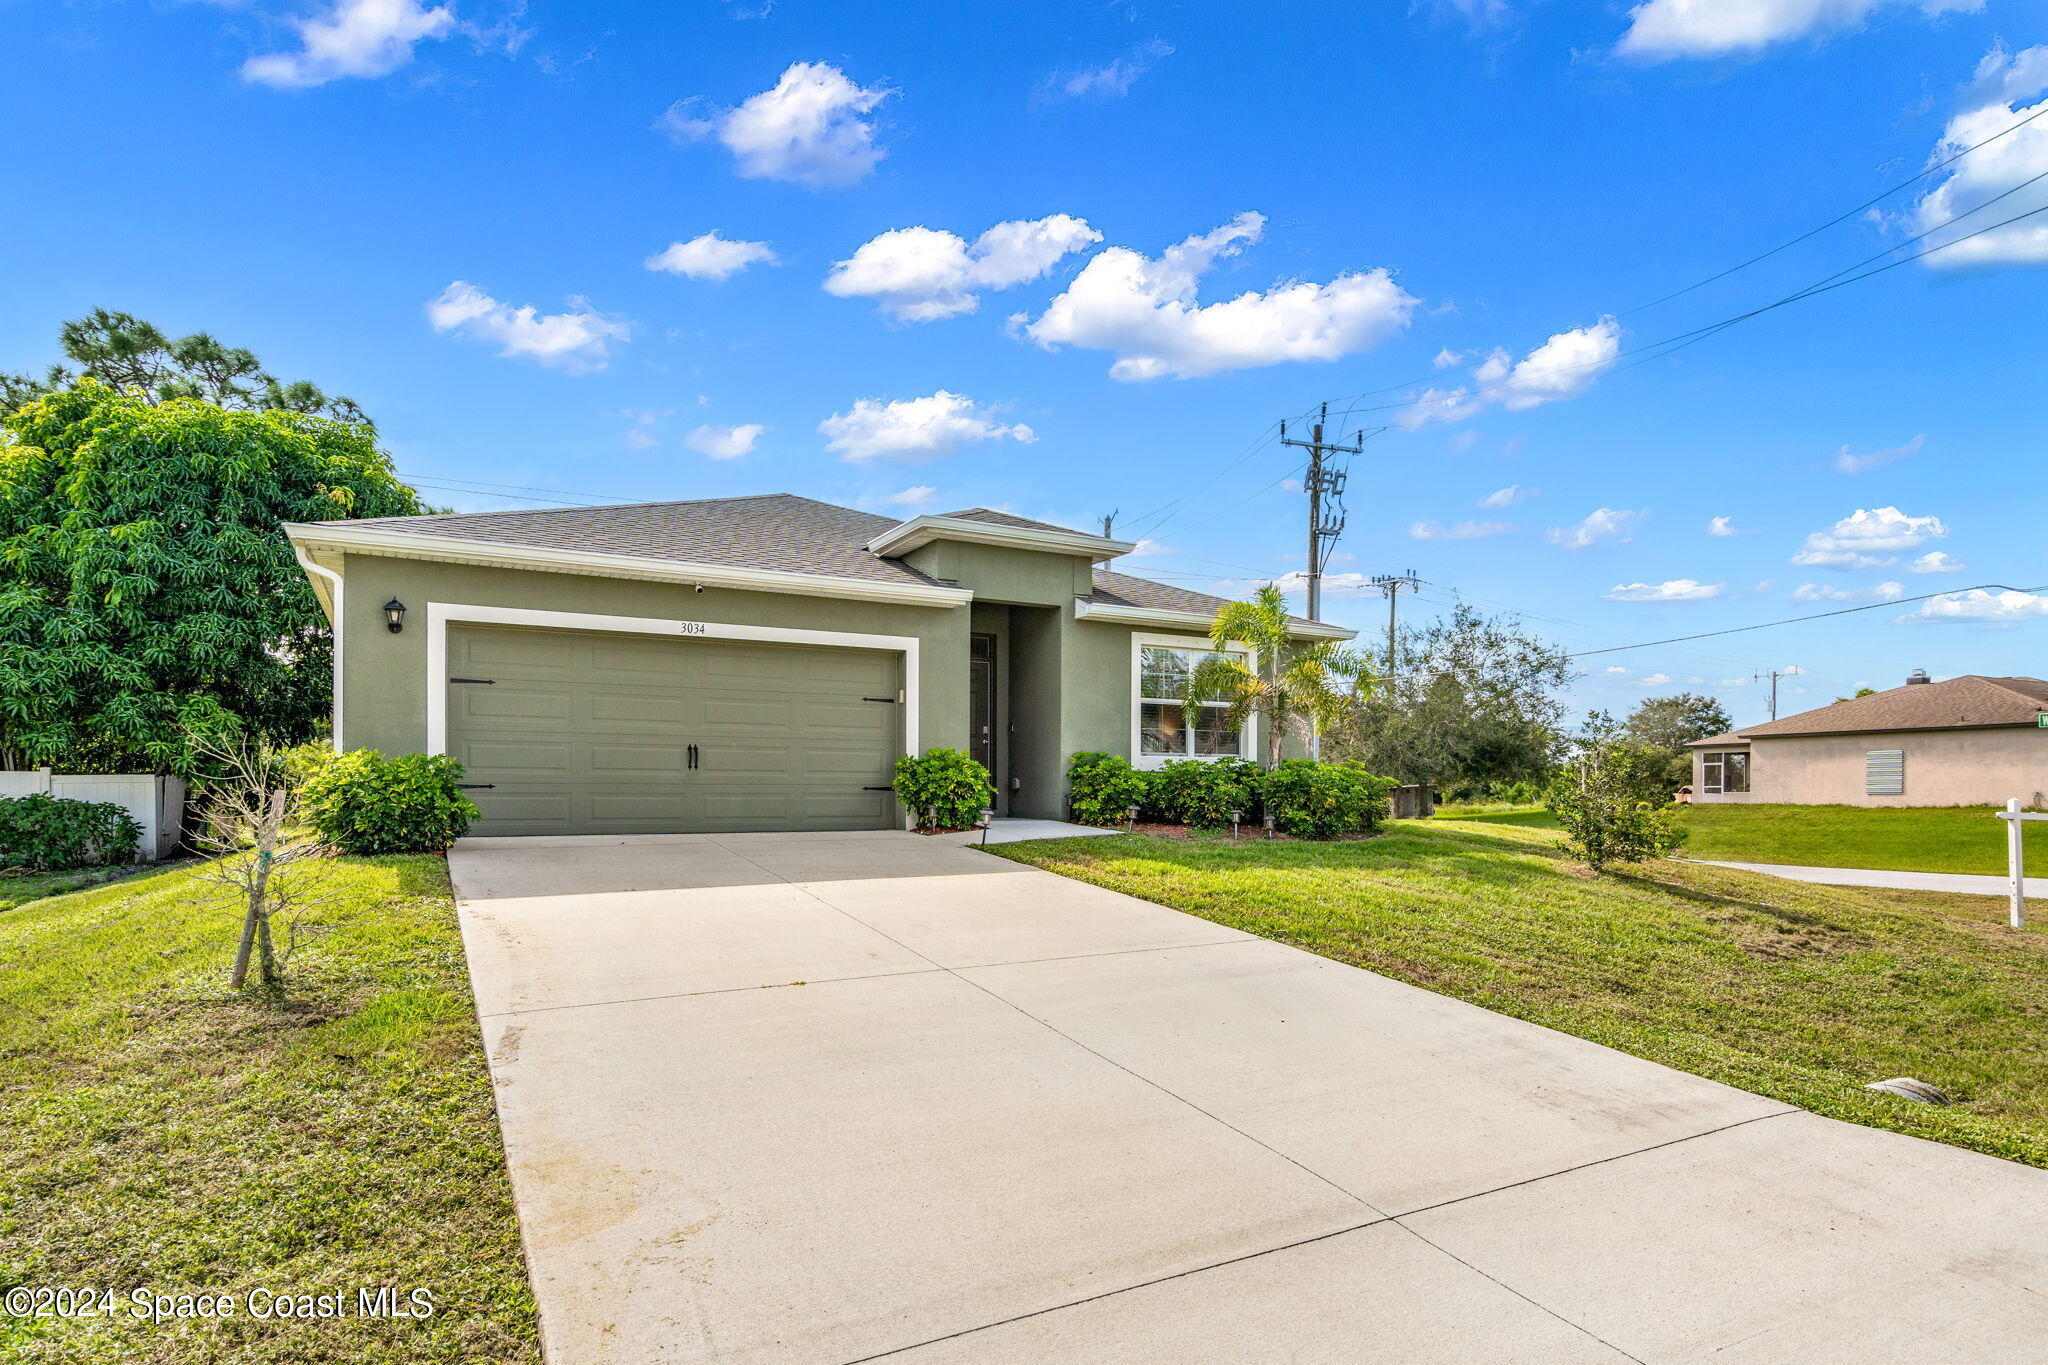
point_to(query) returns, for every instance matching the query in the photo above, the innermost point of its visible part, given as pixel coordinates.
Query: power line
(1816, 616)
(1838, 219)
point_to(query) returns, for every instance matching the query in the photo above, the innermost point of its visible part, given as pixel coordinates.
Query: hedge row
(1307, 799)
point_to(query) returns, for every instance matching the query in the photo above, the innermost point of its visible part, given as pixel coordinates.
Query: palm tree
(1297, 687)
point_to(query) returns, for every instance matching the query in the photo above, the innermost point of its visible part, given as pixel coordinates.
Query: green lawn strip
(1884, 838)
(1802, 993)
(21, 888)
(159, 1131)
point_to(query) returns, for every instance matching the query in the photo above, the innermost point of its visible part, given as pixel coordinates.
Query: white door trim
(440, 614)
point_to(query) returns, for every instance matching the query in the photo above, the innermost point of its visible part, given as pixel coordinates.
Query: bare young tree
(250, 820)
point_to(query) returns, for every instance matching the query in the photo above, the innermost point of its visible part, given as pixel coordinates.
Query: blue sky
(579, 250)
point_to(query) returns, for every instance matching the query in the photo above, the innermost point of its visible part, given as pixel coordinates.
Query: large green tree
(1473, 702)
(149, 600)
(1665, 725)
(130, 355)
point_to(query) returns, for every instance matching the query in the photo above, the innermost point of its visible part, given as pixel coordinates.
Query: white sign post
(2015, 856)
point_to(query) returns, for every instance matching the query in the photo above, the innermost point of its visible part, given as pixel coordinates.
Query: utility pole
(1108, 525)
(1324, 485)
(1391, 584)
(1773, 675)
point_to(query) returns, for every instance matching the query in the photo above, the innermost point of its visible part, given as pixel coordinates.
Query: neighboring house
(750, 663)
(1966, 741)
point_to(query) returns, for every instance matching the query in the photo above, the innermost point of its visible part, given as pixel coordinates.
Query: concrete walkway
(1963, 883)
(840, 1098)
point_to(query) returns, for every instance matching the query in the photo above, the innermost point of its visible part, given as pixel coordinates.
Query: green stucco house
(749, 663)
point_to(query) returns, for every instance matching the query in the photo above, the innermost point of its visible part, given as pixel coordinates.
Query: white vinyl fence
(157, 803)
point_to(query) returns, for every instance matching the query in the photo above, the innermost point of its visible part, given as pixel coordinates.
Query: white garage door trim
(440, 614)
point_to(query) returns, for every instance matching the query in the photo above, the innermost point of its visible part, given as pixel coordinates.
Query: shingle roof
(989, 514)
(772, 531)
(1968, 702)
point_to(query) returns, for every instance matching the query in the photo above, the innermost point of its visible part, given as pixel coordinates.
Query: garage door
(580, 732)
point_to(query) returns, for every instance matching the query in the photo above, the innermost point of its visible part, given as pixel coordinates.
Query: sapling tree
(251, 822)
(1599, 802)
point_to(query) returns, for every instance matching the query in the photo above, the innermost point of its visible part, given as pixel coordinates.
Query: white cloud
(1850, 462)
(1603, 523)
(2005, 81)
(1565, 366)
(1936, 561)
(1144, 310)
(1820, 592)
(1674, 590)
(1097, 85)
(1654, 679)
(354, 38)
(1734, 682)
(917, 495)
(710, 257)
(1979, 605)
(1724, 526)
(810, 129)
(1662, 29)
(1149, 547)
(1616, 669)
(1448, 357)
(1509, 496)
(1792, 671)
(724, 443)
(914, 430)
(640, 436)
(1868, 539)
(919, 274)
(1464, 530)
(576, 340)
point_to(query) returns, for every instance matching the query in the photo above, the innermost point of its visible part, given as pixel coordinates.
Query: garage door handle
(480, 682)
(890, 700)
(693, 756)
(475, 786)
(878, 789)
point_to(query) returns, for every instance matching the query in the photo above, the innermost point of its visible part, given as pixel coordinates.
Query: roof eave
(1117, 614)
(921, 531)
(453, 549)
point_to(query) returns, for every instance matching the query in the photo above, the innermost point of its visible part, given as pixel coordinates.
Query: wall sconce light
(394, 616)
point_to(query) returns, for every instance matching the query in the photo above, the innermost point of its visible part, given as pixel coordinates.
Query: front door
(981, 701)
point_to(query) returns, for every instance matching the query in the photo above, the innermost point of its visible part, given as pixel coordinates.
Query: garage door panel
(583, 732)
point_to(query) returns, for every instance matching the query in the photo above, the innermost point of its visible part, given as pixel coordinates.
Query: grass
(19, 888)
(159, 1131)
(1803, 993)
(1893, 839)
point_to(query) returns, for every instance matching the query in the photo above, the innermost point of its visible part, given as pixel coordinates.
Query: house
(752, 663)
(1969, 740)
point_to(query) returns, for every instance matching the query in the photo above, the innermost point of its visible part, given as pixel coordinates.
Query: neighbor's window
(1163, 728)
(1884, 772)
(1723, 772)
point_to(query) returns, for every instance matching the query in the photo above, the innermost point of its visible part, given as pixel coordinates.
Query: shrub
(40, 833)
(362, 802)
(1601, 807)
(1199, 794)
(946, 789)
(1103, 787)
(298, 764)
(1312, 800)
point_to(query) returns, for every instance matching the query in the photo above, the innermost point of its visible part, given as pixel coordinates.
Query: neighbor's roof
(1969, 702)
(778, 531)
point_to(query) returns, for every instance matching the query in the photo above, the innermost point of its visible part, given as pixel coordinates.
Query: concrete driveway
(845, 1097)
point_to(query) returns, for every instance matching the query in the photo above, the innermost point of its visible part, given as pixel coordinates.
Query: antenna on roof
(1109, 525)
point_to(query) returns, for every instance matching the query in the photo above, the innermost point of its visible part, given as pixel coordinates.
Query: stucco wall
(1943, 768)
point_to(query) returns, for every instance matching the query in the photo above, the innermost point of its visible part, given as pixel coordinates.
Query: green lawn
(1803, 993)
(19, 888)
(1894, 839)
(158, 1131)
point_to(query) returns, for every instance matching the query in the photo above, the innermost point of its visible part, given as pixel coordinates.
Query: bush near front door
(946, 789)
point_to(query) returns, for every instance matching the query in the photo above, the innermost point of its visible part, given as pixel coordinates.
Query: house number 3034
(691, 628)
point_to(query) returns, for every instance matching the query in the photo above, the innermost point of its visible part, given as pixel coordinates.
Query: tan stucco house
(1966, 741)
(750, 663)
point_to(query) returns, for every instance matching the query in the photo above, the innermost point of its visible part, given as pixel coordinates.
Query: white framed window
(1722, 772)
(1161, 730)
